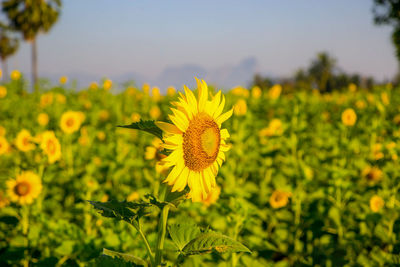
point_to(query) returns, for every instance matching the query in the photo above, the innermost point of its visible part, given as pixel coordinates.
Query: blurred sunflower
(63, 79)
(155, 112)
(3, 200)
(153, 153)
(171, 91)
(70, 122)
(15, 75)
(50, 146)
(4, 146)
(24, 141)
(46, 99)
(2, 131)
(279, 199)
(133, 196)
(240, 107)
(376, 203)
(43, 119)
(256, 92)
(196, 140)
(212, 196)
(372, 174)
(135, 117)
(156, 95)
(3, 91)
(349, 117)
(93, 86)
(61, 98)
(146, 88)
(107, 84)
(275, 91)
(25, 188)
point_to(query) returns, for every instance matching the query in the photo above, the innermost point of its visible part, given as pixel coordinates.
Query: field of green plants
(310, 179)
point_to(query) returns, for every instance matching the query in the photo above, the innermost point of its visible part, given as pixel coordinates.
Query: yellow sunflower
(279, 199)
(4, 146)
(70, 121)
(24, 141)
(63, 79)
(25, 188)
(349, 117)
(3, 200)
(3, 91)
(43, 119)
(196, 140)
(15, 75)
(376, 203)
(50, 146)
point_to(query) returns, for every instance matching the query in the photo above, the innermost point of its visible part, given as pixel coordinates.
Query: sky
(151, 40)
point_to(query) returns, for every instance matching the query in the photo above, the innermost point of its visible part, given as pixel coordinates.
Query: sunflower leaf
(213, 242)
(126, 211)
(182, 233)
(147, 126)
(126, 257)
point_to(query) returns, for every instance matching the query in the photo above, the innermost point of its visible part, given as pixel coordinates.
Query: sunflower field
(305, 179)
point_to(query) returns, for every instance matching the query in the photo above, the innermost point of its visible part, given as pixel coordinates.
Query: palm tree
(8, 47)
(30, 17)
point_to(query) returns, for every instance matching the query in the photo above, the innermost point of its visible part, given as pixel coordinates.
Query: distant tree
(302, 79)
(387, 12)
(8, 46)
(321, 71)
(30, 17)
(263, 82)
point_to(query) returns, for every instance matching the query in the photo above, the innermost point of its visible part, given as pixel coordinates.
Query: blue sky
(112, 38)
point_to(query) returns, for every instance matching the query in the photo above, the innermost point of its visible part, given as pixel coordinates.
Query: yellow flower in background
(46, 99)
(70, 121)
(87, 105)
(15, 75)
(385, 98)
(155, 92)
(61, 98)
(370, 98)
(63, 79)
(3, 200)
(240, 107)
(275, 128)
(256, 92)
(152, 151)
(352, 87)
(196, 140)
(376, 203)
(2, 131)
(4, 146)
(133, 196)
(101, 136)
(372, 174)
(171, 91)
(1, 73)
(155, 112)
(43, 119)
(212, 196)
(279, 199)
(104, 198)
(104, 115)
(349, 117)
(390, 145)
(146, 88)
(135, 117)
(50, 146)
(360, 104)
(25, 188)
(275, 91)
(93, 85)
(240, 91)
(24, 141)
(377, 153)
(107, 84)
(3, 91)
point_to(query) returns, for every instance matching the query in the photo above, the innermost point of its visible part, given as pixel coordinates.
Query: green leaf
(183, 233)
(126, 257)
(127, 211)
(107, 261)
(147, 126)
(211, 241)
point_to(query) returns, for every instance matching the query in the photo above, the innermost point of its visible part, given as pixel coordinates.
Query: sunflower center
(70, 122)
(22, 189)
(201, 142)
(25, 141)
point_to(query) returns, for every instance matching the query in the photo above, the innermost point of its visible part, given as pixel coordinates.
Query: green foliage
(147, 126)
(126, 257)
(181, 234)
(213, 242)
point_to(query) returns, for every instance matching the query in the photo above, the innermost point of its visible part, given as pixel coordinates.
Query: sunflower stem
(162, 229)
(148, 248)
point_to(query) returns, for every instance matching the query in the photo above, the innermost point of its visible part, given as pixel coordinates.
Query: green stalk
(162, 229)
(148, 248)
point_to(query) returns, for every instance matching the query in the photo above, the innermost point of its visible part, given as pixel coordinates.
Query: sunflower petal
(224, 117)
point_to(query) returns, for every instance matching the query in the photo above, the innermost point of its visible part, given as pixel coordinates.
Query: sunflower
(212, 196)
(240, 107)
(63, 79)
(376, 203)
(3, 200)
(3, 91)
(4, 146)
(279, 199)
(372, 174)
(43, 119)
(24, 141)
(50, 146)
(25, 188)
(196, 140)
(71, 121)
(15, 75)
(349, 117)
